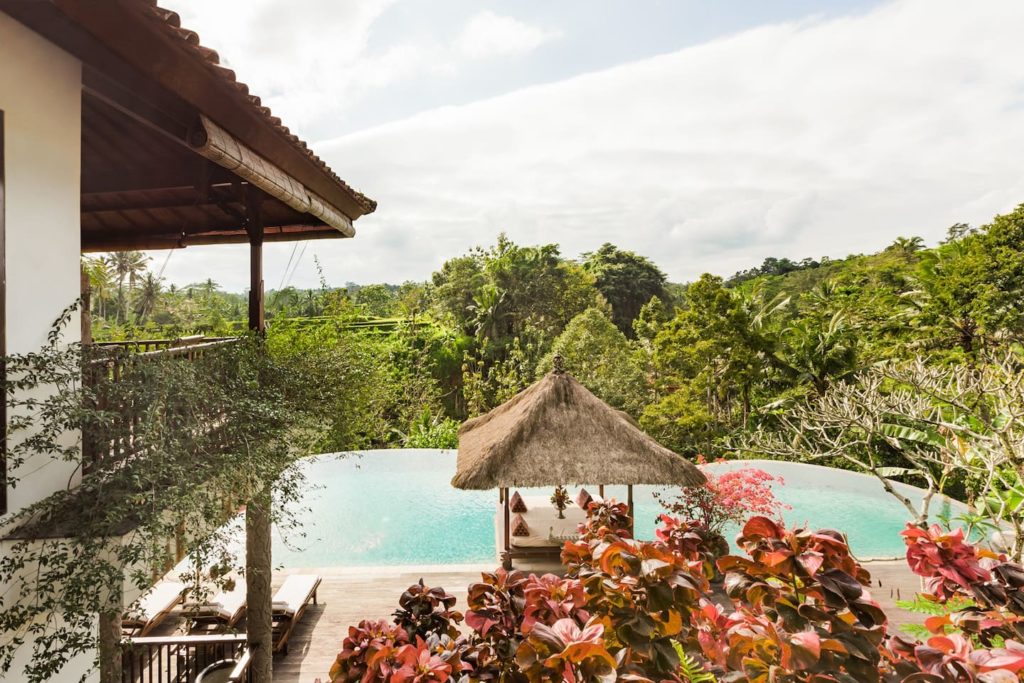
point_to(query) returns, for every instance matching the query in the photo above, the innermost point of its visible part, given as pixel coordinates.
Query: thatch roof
(557, 432)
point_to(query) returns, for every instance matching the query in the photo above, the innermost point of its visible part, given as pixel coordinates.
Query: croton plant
(794, 607)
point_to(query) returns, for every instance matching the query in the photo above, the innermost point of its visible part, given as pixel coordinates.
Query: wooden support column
(258, 556)
(86, 312)
(258, 568)
(506, 557)
(629, 496)
(505, 508)
(254, 226)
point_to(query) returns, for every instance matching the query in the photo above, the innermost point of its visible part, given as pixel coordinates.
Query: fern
(690, 670)
(921, 605)
(932, 608)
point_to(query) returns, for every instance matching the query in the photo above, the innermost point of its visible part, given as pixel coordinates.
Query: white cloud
(492, 35)
(807, 139)
(305, 58)
(311, 61)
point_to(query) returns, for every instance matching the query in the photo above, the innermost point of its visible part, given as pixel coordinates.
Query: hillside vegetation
(698, 363)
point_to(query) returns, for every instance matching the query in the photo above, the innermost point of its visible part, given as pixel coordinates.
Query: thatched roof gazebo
(556, 432)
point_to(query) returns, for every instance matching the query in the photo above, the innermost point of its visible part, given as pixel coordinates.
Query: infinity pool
(388, 507)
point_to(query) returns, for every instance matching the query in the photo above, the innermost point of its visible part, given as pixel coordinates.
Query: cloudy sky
(706, 136)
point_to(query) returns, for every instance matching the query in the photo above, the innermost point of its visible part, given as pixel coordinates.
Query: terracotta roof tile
(172, 23)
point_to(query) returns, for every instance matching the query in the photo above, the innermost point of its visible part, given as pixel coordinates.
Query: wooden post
(629, 497)
(506, 557)
(505, 506)
(254, 226)
(258, 566)
(258, 551)
(86, 311)
(600, 491)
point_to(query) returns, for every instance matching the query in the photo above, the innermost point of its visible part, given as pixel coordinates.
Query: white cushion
(293, 593)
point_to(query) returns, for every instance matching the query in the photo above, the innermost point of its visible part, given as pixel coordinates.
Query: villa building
(120, 131)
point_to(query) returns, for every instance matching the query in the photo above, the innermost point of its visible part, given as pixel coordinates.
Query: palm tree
(818, 352)
(907, 245)
(126, 265)
(100, 282)
(490, 317)
(148, 296)
(209, 288)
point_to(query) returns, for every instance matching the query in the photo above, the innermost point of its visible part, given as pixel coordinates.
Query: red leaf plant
(795, 609)
(417, 664)
(565, 652)
(550, 598)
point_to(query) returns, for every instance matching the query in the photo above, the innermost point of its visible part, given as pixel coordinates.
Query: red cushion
(516, 503)
(519, 527)
(583, 499)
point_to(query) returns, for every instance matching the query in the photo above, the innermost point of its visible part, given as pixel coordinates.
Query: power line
(298, 261)
(295, 245)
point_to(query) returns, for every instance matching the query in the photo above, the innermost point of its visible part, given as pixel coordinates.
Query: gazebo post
(506, 559)
(629, 499)
(600, 490)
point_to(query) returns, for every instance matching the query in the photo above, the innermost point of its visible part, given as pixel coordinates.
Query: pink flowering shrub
(727, 498)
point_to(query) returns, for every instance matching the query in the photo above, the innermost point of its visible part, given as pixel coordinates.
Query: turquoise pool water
(374, 508)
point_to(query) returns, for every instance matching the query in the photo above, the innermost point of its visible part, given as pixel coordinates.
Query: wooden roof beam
(153, 242)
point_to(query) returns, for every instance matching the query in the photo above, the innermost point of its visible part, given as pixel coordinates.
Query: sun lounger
(290, 604)
(223, 610)
(150, 609)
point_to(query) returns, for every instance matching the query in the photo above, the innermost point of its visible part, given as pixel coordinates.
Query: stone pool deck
(347, 595)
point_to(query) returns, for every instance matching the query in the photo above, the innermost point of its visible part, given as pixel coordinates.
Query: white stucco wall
(40, 95)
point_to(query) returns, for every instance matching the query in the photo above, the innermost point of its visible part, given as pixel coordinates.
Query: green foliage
(932, 608)
(377, 300)
(690, 670)
(597, 354)
(707, 361)
(170, 449)
(626, 280)
(700, 364)
(501, 293)
(431, 431)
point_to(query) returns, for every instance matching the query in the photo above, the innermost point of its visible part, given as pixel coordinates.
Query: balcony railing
(174, 347)
(181, 659)
(109, 364)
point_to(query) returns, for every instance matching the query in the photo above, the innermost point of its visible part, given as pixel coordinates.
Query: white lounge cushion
(225, 604)
(294, 593)
(157, 600)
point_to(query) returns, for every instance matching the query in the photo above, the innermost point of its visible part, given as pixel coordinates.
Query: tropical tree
(126, 265)
(627, 280)
(491, 317)
(949, 430)
(597, 354)
(817, 351)
(148, 296)
(908, 246)
(100, 283)
(376, 300)
(970, 287)
(708, 362)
